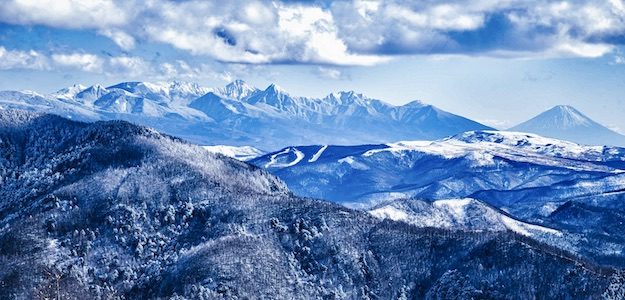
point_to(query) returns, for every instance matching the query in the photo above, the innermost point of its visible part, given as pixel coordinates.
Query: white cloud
(80, 61)
(315, 30)
(444, 16)
(122, 39)
(355, 32)
(331, 73)
(581, 49)
(64, 13)
(13, 59)
(129, 66)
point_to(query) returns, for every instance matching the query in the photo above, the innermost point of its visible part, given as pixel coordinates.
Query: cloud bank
(358, 32)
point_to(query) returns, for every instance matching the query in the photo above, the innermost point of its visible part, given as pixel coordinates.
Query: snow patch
(318, 154)
(390, 212)
(243, 153)
(457, 206)
(273, 161)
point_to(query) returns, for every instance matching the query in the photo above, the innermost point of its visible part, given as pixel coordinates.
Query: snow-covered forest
(110, 210)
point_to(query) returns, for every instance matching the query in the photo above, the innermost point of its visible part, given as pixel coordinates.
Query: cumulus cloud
(351, 32)
(253, 32)
(80, 61)
(130, 66)
(14, 59)
(65, 13)
(331, 73)
(113, 66)
(122, 39)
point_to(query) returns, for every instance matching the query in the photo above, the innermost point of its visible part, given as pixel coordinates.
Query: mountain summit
(567, 123)
(240, 114)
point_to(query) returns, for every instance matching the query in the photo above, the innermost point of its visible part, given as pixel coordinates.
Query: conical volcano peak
(567, 123)
(563, 117)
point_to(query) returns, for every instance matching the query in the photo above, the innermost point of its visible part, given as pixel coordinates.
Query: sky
(497, 62)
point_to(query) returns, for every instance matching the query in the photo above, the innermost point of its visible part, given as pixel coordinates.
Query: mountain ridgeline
(239, 114)
(111, 210)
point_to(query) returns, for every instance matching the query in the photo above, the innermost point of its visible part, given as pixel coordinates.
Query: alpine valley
(175, 191)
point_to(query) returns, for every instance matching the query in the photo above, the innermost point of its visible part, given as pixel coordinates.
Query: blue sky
(499, 62)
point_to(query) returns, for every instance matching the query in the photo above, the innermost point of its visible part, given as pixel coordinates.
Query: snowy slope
(465, 214)
(567, 123)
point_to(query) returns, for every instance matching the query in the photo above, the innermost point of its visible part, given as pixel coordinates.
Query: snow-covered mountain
(110, 210)
(239, 114)
(567, 123)
(454, 167)
(533, 178)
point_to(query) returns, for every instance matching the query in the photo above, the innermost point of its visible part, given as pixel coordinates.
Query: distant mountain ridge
(567, 123)
(240, 115)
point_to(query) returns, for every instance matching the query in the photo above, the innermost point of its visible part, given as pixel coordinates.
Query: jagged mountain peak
(68, 92)
(164, 87)
(237, 89)
(275, 89)
(347, 96)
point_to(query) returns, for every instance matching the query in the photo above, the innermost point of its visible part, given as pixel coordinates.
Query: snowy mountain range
(111, 210)
(567, 123)
(241, 115)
